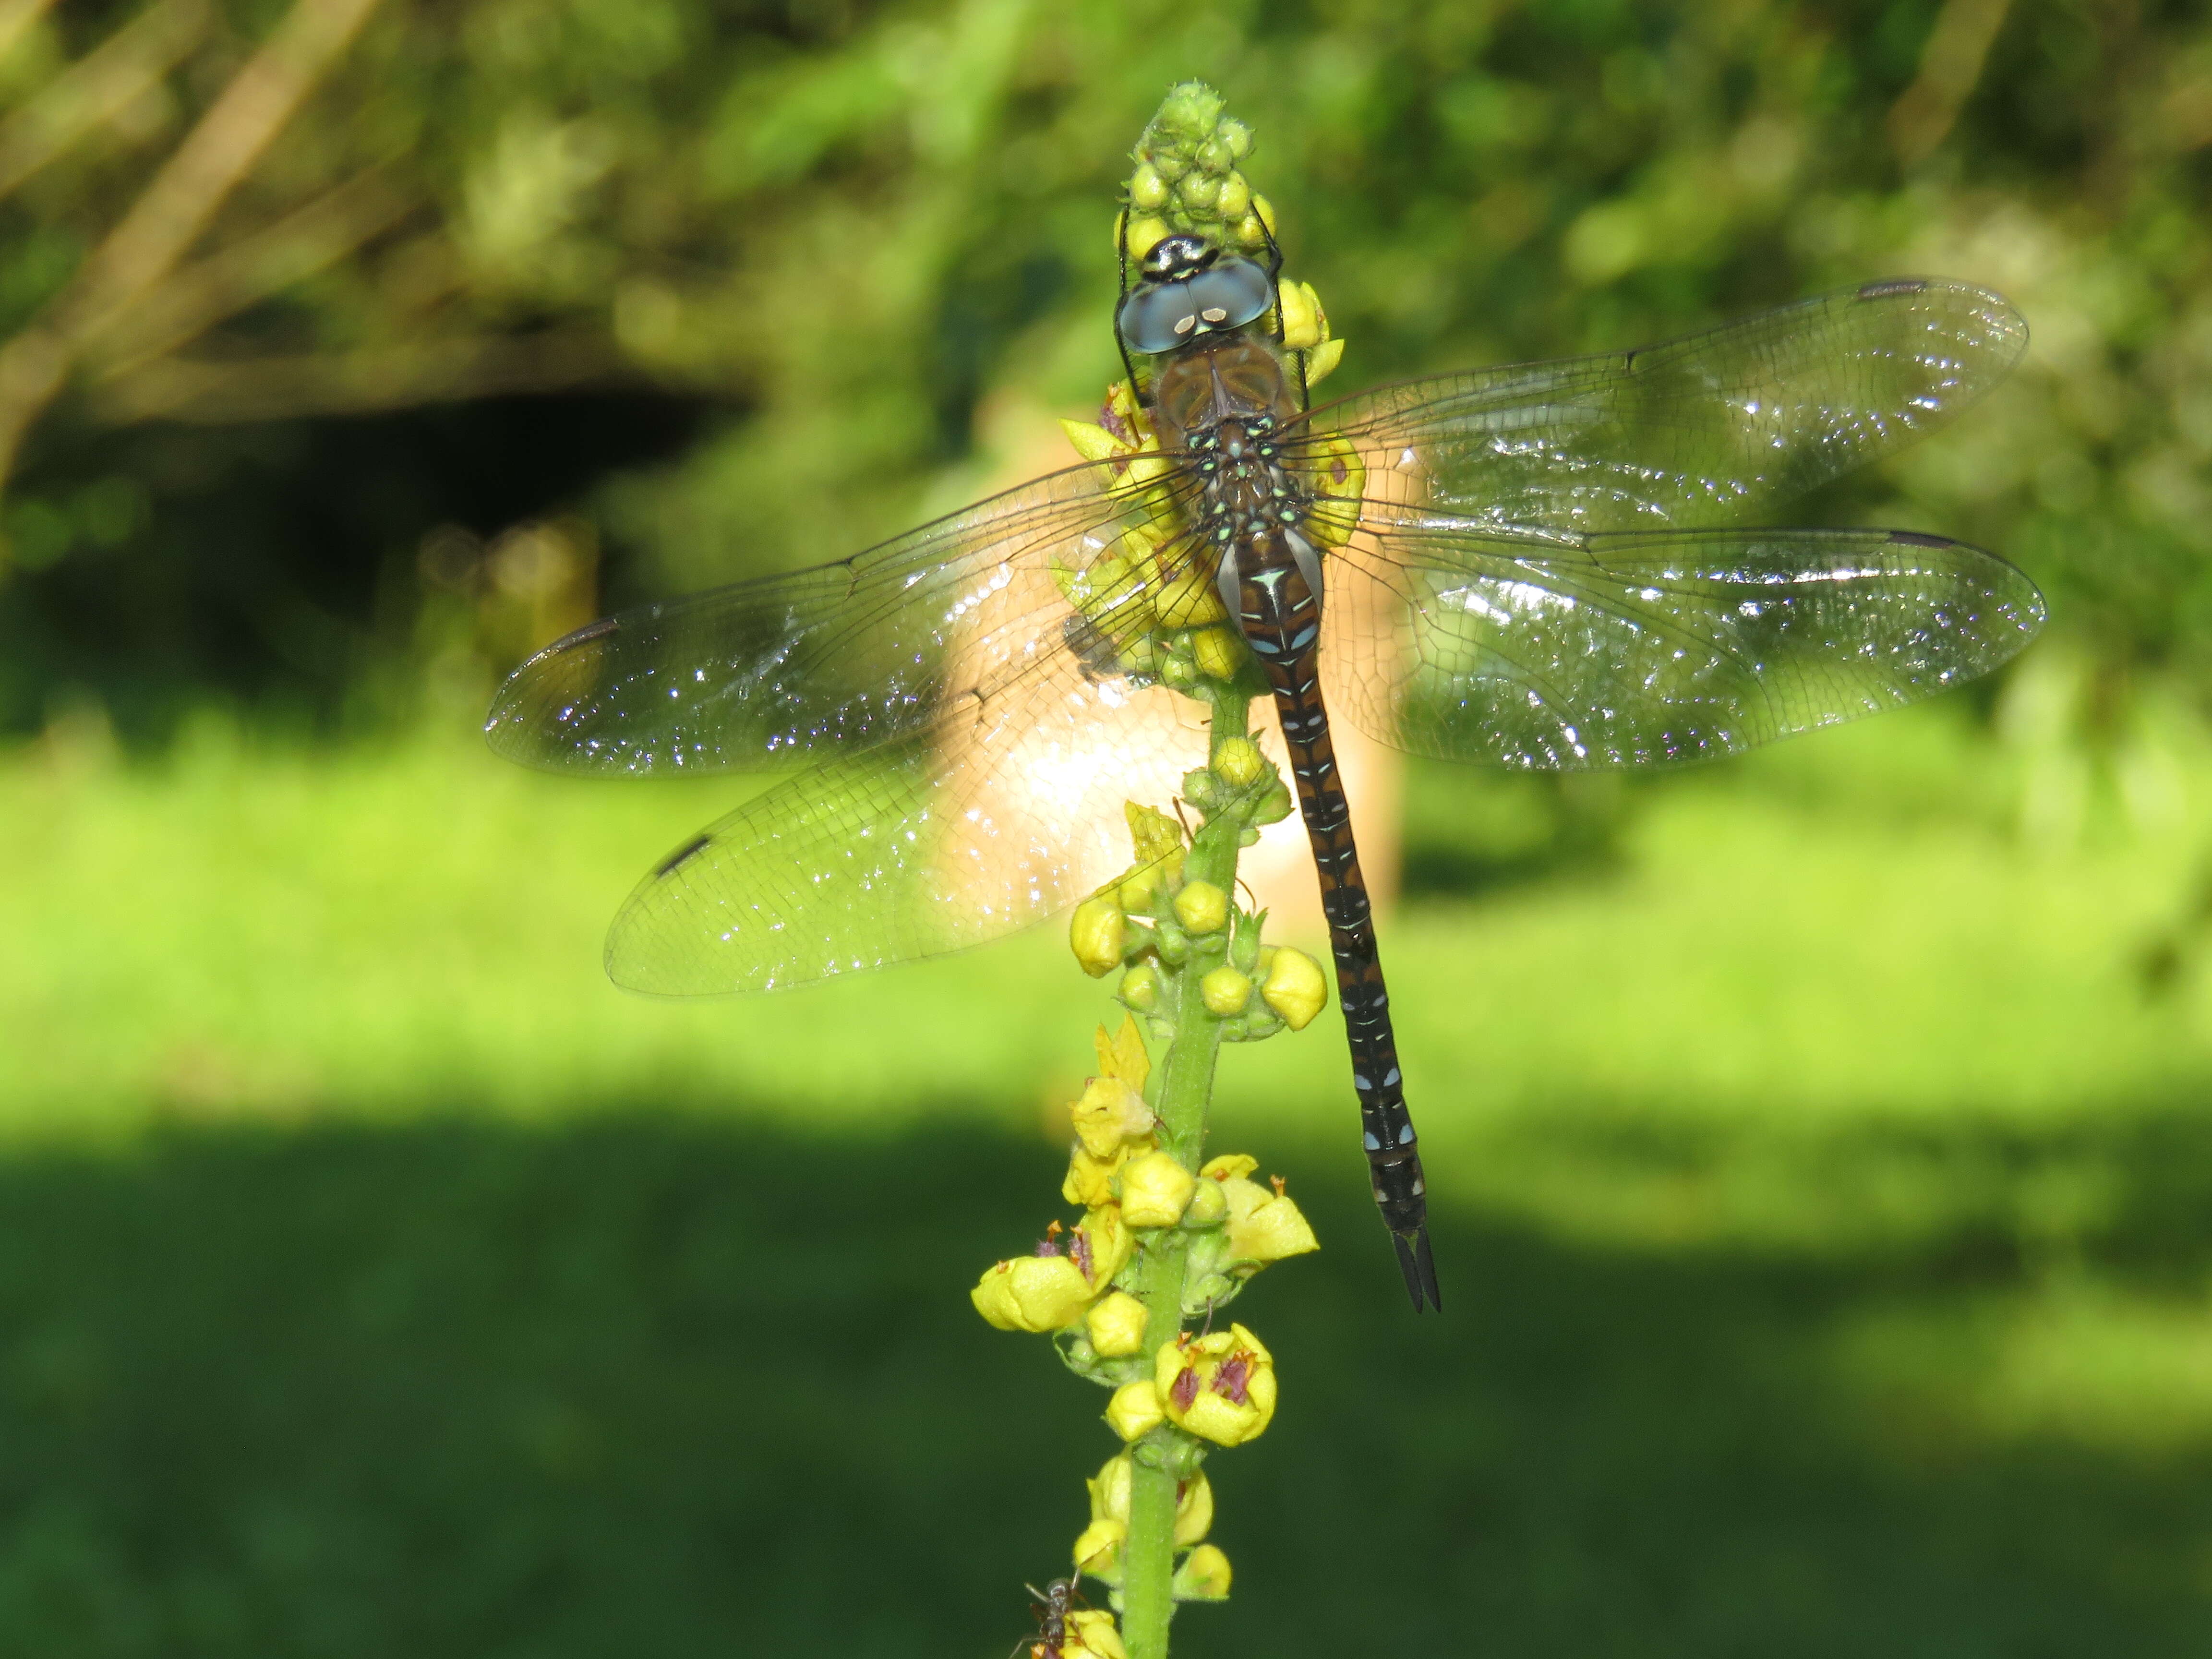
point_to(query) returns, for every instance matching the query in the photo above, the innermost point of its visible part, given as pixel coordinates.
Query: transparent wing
(1699, 431)
(843, 656)
(1568, 651)
(998, 818)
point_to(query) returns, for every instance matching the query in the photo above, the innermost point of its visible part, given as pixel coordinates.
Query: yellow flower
(1098, 1547)
(1090, 1180)
(1186, 596)
(1122, 1055)
(1194, 1510)
(1116, 1326)
(1295, 987)
(1339, 477)
(1092, 1635)
(1095, 934)
(1032, 1293)
(1102, 1244)
(1154, 1190)
(1207, 1205)
(1109, 1489)
(1264, 1225)
(1201, 907)
(1110, 1114)
(1219, 1387)
(1203, 1576)
(1225, 992)
(1134, 1410)
(1323, 361)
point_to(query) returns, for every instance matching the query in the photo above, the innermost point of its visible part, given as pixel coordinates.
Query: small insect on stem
(1054, 1603)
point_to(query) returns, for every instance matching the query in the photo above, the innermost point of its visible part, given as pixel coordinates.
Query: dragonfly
(1540, 566)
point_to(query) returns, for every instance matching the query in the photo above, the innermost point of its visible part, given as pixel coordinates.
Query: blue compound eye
(1231, 294)
(1158, 317)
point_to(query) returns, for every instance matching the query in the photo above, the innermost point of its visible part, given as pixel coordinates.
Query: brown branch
(175, 208)
(1950, 65)
(99, 85)
(195, 298)
(219, 392)
(219, 151)
(17, 17)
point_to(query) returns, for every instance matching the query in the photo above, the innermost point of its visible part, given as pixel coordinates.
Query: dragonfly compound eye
(1174, 259)
(1164, 314)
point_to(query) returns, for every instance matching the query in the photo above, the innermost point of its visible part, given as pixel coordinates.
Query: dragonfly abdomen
(1279, 612)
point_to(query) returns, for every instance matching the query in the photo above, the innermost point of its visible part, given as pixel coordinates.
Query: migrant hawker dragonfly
(1554, 550)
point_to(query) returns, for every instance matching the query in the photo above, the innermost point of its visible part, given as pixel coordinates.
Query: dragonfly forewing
(836, 659)
(1712, 427)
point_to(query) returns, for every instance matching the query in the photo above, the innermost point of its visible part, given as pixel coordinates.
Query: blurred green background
(1821, 1143)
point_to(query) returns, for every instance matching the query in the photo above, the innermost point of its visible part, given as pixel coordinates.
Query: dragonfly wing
(840, 657)
(1647, 648)
(1699, 431)
(1000, 817)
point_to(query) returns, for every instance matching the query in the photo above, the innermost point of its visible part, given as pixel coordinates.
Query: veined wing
(843, 656)
(999, 818)
(1567, 651)
(1699, 431)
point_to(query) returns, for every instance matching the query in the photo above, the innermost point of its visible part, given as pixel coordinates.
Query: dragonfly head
(1190, 289)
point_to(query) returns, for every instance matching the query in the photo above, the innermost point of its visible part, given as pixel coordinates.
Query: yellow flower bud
(1116, 1324)
(1323, 361)
(1194, 1510)
(1220, 1387)
(1148, 192)
(1134, 1410)
(1154, 1190)
(1095, 934)
(1109, 1489)
(1098, 1546)
(1225, 992)
(1219, 652)
(1110, 1114)
(1203, 1576)
(1207, 1205)
(1305, 324)
(1264, 211)
(1092, 1635)
(1033, 1293)
(1239, 763)
(1201, 907)
(1140, 988)
(1295, 987)
(1249, 234)
(1144, 234)
(1235, 200)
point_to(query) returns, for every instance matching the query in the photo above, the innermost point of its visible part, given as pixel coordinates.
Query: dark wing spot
(691, 848)
(1895, 285)
(589, 632)
(1914, 539)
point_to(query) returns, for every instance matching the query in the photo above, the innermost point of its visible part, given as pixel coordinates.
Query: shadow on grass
(653, 1387)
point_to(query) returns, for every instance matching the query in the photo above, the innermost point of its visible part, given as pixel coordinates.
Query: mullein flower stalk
(1168, 1238)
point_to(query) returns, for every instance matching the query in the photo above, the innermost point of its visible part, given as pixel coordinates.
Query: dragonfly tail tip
(1419, 1263)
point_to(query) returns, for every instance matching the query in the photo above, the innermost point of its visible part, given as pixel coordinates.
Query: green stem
(1185, 1090)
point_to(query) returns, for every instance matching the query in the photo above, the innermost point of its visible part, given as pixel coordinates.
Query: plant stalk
(1161, 1459)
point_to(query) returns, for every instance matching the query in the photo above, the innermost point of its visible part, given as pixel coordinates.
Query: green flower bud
(1236, 137)
(1198, 787)
(1213, 155)
(1148, 192)
(1239, 763)
(1235, 200)
(1140, 988)
(1274, 806)
(1199, 192)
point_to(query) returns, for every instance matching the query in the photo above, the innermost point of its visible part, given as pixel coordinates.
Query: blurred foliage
(858, 250)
